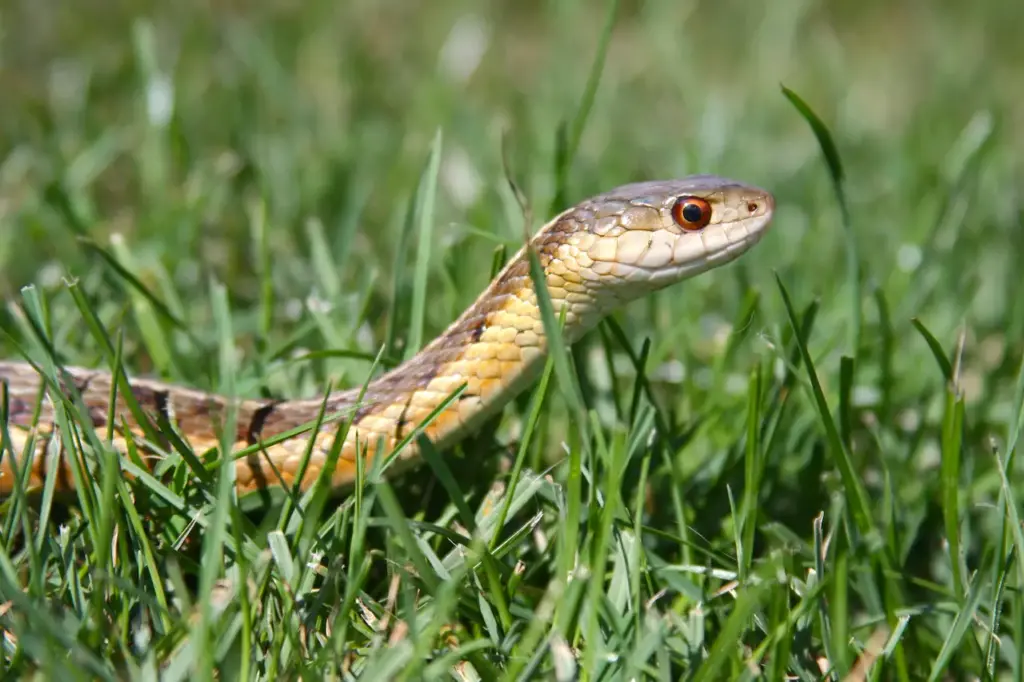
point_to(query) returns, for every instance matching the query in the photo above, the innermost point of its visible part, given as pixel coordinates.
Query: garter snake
(597, 255)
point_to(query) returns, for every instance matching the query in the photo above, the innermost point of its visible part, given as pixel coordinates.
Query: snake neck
(493, 351)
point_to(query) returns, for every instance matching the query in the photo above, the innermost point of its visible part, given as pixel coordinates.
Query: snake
(594, 257)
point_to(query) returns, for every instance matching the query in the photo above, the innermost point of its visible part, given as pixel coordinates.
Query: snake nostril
(752, 206)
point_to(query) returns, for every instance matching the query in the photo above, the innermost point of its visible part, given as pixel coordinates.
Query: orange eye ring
(691, 213)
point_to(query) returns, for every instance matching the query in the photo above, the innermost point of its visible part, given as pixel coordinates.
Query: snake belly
(600, 254)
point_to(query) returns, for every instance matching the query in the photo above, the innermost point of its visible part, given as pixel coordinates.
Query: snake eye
(691, 213)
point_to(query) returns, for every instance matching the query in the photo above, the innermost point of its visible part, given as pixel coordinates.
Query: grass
(803, 464)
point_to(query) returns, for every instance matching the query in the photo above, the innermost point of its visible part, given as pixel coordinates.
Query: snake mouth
(698, 252)
(739, 235)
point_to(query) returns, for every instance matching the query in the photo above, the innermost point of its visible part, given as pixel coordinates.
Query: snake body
(597, 255)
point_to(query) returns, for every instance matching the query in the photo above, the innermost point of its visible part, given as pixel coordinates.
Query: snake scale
(599, 254)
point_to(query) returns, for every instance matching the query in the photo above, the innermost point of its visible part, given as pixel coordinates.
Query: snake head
(652, 234)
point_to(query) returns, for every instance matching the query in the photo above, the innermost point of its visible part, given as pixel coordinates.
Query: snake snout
(760, 202)
(758, 205)
(751, 209)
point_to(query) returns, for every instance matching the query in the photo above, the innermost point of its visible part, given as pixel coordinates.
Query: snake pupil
(692, 213)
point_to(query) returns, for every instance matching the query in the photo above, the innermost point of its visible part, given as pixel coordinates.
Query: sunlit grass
(802, 464)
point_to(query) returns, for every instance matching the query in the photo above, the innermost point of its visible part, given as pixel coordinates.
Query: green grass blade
(426, 196)
(569, 141)
(748, 600)
(752, 473)
(952, 439)
(835, 169)
(214, 544)
(964, 617)
(936, 348)
(856, 494)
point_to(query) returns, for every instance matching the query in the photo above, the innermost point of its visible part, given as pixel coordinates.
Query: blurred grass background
(274, 147)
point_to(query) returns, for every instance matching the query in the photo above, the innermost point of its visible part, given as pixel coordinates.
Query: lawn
(801, 464)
